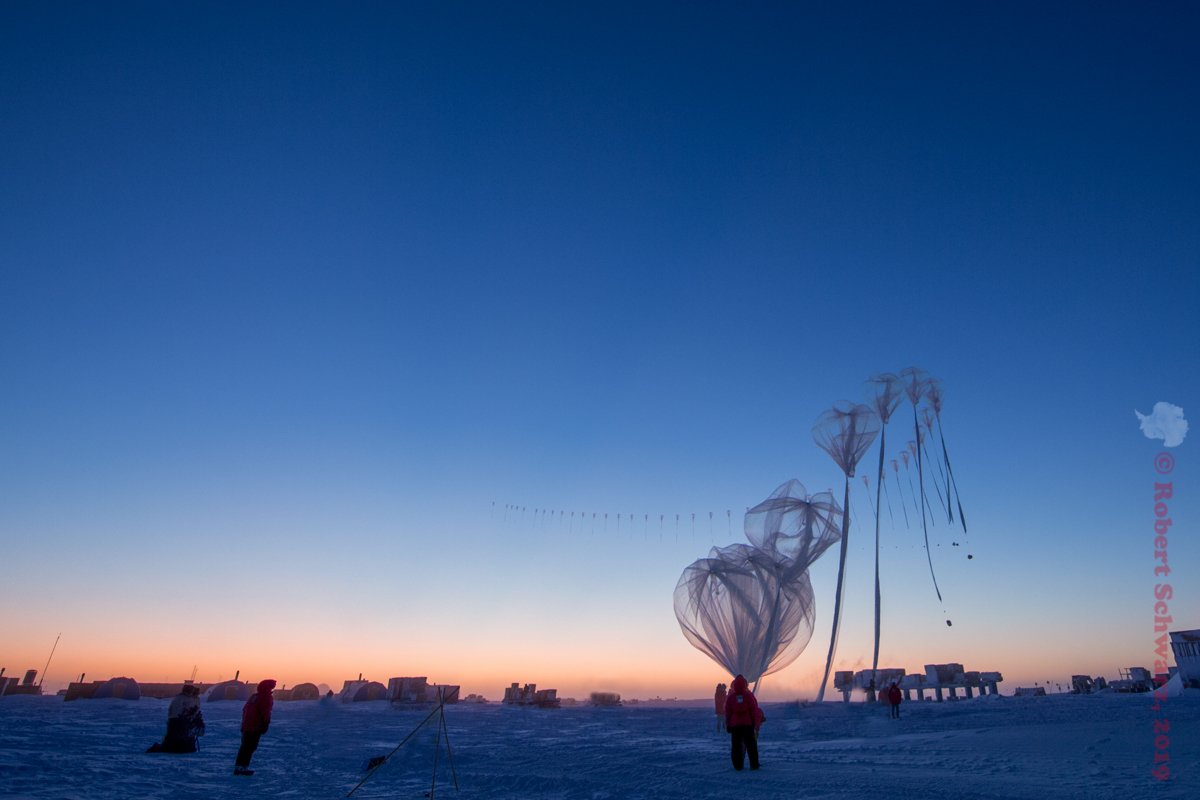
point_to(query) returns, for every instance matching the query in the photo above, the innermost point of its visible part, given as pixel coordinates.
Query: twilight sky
(295, 299)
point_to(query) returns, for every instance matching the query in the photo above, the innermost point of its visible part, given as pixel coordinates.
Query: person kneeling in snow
(742, 719)
(184, 723)
(256, 719)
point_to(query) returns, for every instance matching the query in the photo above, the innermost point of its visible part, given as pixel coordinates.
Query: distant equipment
(530, 695)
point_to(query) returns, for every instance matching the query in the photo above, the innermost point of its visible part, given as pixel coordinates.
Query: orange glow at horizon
(636, 669)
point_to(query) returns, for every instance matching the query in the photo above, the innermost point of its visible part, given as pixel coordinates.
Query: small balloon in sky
(949, 624)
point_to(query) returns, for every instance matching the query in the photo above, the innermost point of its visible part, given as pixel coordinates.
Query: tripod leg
(395, 749)
(437, 750)
(449, 752)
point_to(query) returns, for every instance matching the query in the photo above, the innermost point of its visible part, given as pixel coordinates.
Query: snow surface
(1060, 746)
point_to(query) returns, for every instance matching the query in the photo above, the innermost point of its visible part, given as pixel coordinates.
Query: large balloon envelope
(746, 608)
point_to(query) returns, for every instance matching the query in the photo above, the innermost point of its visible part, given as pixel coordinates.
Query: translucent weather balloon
(915, 381)
(927, 421)
(933, 394)
(908, 455)
(884, 393)
(900, 487)
(746, 608)
(794, 525)
(867, 485)
(750, 607)
(845, 432)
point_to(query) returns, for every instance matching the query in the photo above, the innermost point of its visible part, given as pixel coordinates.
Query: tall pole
(52, 649)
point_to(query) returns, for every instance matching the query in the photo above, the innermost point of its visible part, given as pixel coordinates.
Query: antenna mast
(52, 649)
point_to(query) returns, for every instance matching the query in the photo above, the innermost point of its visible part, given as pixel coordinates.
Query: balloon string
(837, 602)
(921, 479)
(961, 517)
(878, 602)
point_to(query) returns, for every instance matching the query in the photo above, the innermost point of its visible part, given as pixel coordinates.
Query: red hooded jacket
(741, 708)
(256, 714)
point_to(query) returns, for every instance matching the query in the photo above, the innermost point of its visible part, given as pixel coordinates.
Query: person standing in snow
(184, 723)
(894, 697)
(719, 704)
(256, 719)
(742, 719)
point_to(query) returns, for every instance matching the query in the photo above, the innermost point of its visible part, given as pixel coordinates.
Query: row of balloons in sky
(750, 607)
(599, 521)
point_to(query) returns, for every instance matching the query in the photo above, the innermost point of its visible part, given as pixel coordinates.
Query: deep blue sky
(337, 278)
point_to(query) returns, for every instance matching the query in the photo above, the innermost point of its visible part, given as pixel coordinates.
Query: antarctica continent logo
(1166, 422)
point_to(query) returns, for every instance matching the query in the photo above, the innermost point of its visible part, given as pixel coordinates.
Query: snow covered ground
(1060, 746)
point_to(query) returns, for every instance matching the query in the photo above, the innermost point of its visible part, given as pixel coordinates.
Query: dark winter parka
(256, 714)
(741, 708)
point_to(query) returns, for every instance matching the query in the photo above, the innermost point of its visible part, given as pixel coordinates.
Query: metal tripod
(442, 735)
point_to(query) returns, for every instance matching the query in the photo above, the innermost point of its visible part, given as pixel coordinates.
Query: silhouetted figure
(719, 704)
(256, 719)
(742, 719)
(184, 723)
(894, 697)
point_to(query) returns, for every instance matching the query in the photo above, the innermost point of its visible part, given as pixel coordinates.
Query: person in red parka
(256, 719)
(742, 718)
(894, 697)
